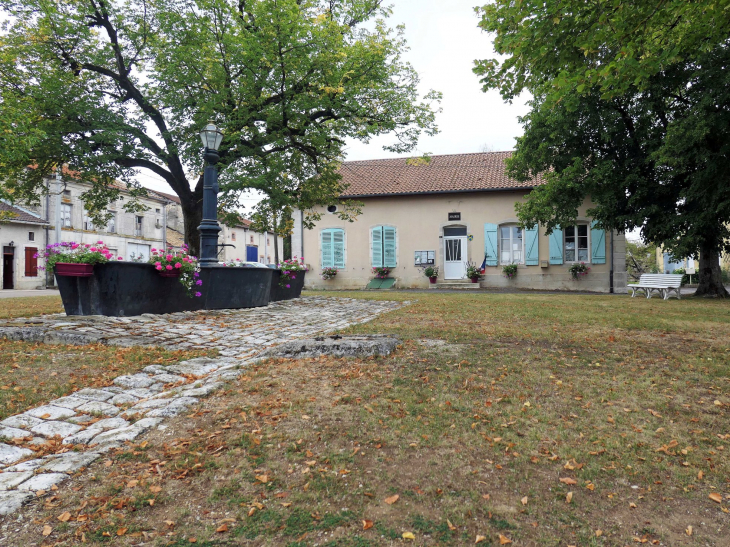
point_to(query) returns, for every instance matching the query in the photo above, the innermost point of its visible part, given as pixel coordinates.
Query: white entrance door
(455, 258)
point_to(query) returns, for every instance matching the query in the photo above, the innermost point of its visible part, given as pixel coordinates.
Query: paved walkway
(91, 421)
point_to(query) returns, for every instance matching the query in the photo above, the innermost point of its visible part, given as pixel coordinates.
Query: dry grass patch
(32, 306)
(33, 373)
(544, 424)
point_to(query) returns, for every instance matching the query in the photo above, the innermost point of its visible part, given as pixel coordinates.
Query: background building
(449, 212)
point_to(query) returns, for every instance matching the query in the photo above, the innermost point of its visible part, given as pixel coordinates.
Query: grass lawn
(32, 306)
(540, 420)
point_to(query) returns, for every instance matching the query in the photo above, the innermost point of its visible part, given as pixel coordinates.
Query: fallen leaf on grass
(392, 499)
(524, 500)
(568, 480)
(688, 531)
(569, 497)
(717, 498)
(155, 489)
(121, 531)
(222, 528)
(504, 540)
(367, 524)
(409, 535)
(63, 517)
(480, 539)
(599, 533)
(47, 530)
(263, 478)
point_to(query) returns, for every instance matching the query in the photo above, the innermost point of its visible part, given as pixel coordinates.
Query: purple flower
(199, 282)
(294, 277)
(198, 294)
(288, 286)
(196, 274)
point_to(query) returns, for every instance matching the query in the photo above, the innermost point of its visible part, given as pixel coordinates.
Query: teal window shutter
(532, 246)
(490, 244)
(556, 246)
(389, 247)
(326, 245)
(598, 245)
(376, 244)
(338, 248)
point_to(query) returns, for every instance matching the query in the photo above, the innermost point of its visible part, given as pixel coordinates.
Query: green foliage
(640, 258)
(630, 108)
(509, 271)
(685, 277)
(431, 271)
(472, 270)
(109, 88)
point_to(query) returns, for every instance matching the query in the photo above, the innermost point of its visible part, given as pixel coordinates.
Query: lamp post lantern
(211, 137)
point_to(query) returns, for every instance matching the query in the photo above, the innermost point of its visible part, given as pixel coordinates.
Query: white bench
(664, 284)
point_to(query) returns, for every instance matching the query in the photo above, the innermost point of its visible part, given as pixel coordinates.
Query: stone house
(22, 235)
(450, 212)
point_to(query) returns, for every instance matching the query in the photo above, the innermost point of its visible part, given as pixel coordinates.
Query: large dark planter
(282, 293)
(71, 269)
(128, 288)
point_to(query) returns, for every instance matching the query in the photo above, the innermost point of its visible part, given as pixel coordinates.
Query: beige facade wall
(420, 221)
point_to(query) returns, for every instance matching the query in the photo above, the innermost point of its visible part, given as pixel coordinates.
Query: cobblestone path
(138, 402)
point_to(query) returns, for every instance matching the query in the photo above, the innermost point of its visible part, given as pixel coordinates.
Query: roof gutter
(437, 192)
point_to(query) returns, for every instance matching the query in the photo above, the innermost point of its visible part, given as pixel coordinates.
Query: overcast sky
(444, 41)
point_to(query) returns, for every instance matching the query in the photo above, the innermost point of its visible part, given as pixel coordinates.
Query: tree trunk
(710, 275)
(192, 218)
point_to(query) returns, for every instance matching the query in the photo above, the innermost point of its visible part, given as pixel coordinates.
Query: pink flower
(154, 250)
(168, 267)
(168, 257)
(158, 267)
(178, 265)
(157, 264)
(74, 245)
(119, 258)
(93, 249)
(100, 243)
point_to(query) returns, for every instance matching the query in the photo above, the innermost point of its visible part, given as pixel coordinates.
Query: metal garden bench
(664, 284)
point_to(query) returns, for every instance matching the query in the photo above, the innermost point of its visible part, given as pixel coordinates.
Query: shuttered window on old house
(383, 247)
(332, 243)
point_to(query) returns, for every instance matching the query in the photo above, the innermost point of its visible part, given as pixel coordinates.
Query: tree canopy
(630, 108)
(112, 87)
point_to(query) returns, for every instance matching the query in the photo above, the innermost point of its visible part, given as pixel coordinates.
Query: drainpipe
(58, 206)
(47, 219)
(164, 226)
(610, 275)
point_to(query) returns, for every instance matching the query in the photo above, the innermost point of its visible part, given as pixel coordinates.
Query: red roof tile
(18, 214)
(476, 172)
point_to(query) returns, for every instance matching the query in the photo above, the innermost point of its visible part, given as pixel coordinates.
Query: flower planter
(129, 288)
(169, 273)
(68, 269)
(279, 293)
(475, 280)
(433, 280)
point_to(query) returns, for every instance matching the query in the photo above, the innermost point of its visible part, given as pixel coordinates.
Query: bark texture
(710, 276)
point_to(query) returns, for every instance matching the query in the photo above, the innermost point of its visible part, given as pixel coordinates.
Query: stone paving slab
(240, 336)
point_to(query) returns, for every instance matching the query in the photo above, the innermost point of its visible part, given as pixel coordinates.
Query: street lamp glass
(211, 136)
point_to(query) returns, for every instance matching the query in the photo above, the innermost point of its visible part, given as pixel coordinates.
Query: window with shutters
(511, 245)
(31, 262)
(576, 243)
(383, 251)
(332, 245)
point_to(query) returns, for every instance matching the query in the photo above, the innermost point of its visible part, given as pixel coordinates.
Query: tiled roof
(171, 197)
(18, 214)
(175, 239)
(476, 172)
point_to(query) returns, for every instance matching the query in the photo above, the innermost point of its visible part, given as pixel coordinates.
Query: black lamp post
(209, 228)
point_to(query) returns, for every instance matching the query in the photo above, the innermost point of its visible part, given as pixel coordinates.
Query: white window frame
(588, 243)
(138, 225)
(112, 222)
(66, 215)
(511, 250)
(88, 225)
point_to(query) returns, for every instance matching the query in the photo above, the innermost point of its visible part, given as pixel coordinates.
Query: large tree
(631, 108)
(109, 88)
